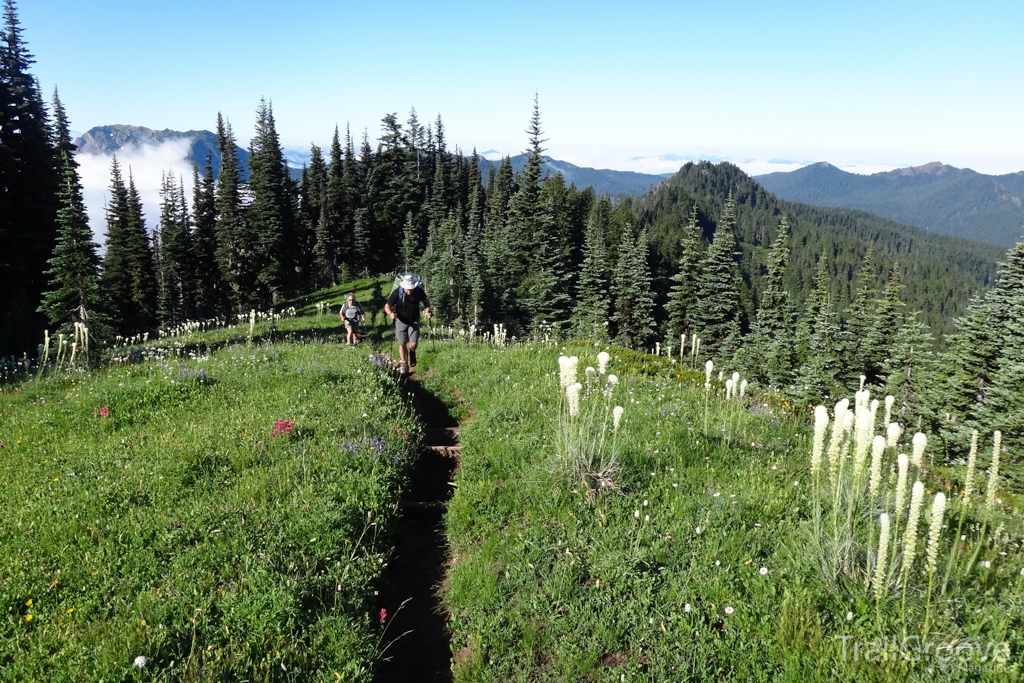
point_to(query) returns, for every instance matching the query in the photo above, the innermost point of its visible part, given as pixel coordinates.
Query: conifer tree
(527, 212)
(593, 299)
(768, 353)
(716, 313)
(74, 294)
(29, 182)
(910, 370)
(176, 299)
(210, 294)
(235, 245)
(818, 377)
(318, 221)
(631, 289)
(473, 249)
(885, 324)
(682, 297)
(545, 290)
(270, 214)
(128, 277)
(859, 317)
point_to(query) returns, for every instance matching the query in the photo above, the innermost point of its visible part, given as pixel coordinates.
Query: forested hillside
(941, 198)
(939, 273)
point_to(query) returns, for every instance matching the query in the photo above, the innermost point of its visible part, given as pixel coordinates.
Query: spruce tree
(270, 214)
(885, 323)
(128, 277)
(910, 370)
(631, 289)
(769, 350)
(74, 294)
(29, 183)
(527, 213)
(682, 296)
(818, 377)
(236, 250)
(859, 317)
(593, 298)
(473, 249)
(210, 289)
(318, 220)
(716, 313)
(176, 300)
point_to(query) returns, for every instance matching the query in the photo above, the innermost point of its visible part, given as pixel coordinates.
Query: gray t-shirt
(351, 313)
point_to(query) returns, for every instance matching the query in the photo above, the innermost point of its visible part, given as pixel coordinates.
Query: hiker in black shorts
(404, 308)
(351, 313)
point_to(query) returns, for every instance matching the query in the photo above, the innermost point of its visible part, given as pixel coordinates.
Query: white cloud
(147, 164)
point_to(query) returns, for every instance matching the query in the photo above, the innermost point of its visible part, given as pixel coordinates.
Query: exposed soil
(410, 594)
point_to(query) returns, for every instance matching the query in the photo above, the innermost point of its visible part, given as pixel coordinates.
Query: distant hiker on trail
(351, 313)
(403, 306)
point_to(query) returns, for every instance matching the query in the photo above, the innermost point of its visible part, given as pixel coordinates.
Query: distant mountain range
(955, 201)
(111, 139)
(603, 180)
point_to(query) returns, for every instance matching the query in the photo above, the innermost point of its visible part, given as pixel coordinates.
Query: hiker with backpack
(403, 306)
(351, 313)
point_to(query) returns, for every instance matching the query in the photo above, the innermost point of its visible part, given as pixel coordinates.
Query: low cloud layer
(147, 165)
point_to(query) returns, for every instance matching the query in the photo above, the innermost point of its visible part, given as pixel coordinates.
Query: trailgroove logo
(960, 655)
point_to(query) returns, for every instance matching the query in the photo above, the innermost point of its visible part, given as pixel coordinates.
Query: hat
(409, 281)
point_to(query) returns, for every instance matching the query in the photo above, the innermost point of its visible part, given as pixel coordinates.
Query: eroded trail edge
(417, 638)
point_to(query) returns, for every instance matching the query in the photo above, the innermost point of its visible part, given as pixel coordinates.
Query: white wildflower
(140, 662)
(938, 508)
(877, 449)
(920, 442)
(893, 431)
(572, 393)
(602, 361)
(616, 417)
(890, 401)
(883, 555)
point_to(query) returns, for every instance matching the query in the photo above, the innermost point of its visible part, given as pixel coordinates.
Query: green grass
(549, 582)
(176, 527)
(148, 510)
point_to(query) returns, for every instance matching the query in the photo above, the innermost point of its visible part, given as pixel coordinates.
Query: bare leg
(402, 354)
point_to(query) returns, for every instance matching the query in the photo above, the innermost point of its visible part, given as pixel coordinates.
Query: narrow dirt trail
(411, 583)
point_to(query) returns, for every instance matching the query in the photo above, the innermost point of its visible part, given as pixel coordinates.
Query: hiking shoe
(403, 370)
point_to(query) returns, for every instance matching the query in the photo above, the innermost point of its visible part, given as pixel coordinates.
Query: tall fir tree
(527, 213)
(682, 298)
(74, 294)
(176, 296)
(593, 297)
(769, 350)
(859, 318)
(236, 248)
(885, 322)
(631, 289)
(29, 182)
(319, 220)
(910, 370)
(717, 310)
(270, 214)
(818, 377)
(210, 289)
(128, 276)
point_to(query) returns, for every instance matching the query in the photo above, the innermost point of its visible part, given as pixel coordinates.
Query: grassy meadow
(219, 502)
(701, 557)
(224, 517)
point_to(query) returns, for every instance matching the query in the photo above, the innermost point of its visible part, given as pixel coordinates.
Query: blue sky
(637, 86)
